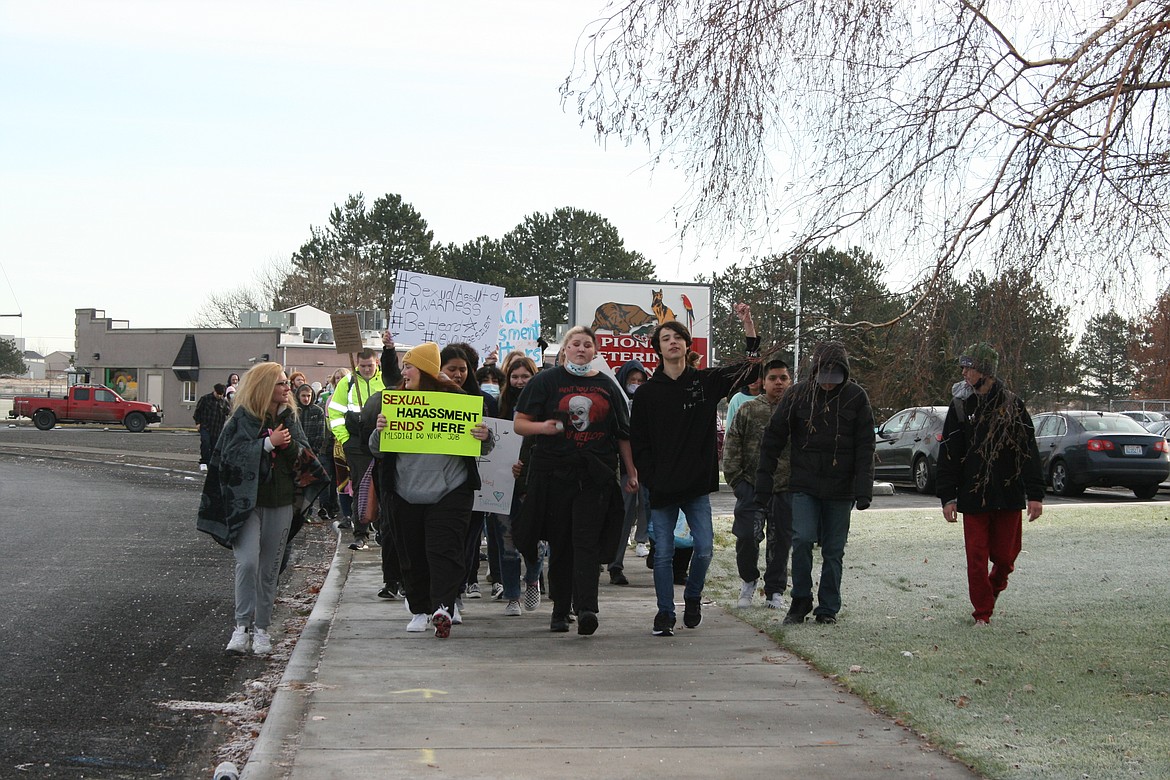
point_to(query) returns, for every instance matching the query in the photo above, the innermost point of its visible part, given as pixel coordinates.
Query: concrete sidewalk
(505, 697)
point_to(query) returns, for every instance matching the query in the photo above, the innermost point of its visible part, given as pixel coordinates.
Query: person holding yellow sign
(425, 494)
(582, 426)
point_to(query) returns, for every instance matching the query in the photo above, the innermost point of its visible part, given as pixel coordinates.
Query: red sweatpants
(996, 537)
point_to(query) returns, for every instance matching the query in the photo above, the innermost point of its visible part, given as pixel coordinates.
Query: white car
(1148, 419)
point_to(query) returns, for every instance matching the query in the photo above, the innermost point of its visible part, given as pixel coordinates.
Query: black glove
(862, 503)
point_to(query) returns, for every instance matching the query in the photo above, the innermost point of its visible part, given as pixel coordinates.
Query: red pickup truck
(86, 403)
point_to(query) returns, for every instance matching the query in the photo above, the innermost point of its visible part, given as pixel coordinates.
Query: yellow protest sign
(430, 422)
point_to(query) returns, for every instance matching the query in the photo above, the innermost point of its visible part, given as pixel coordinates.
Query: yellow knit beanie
(424, 357)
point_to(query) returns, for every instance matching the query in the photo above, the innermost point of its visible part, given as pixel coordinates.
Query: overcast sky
(154, 152)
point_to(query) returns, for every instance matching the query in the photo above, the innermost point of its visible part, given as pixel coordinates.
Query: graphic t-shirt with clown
(592, 409)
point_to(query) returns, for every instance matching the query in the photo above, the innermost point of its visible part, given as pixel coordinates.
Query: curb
(276, 747)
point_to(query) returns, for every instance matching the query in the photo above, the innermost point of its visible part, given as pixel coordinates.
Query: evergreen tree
(1105, 355)
(352, 262)
(547, 250)
(11, 360)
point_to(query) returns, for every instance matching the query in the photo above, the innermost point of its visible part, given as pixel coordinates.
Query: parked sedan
(907, 446)
(1080, 449)
(1151, 421)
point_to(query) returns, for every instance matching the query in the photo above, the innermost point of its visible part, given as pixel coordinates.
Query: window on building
(189, 390)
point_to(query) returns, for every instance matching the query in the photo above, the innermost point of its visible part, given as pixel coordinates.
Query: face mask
(631, 388)
(962, 390)
(490, 389)
(577, 370)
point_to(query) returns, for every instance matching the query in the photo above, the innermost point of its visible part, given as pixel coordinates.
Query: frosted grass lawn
(1071, 680)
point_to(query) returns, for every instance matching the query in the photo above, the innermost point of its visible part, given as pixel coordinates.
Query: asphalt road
(116, 604)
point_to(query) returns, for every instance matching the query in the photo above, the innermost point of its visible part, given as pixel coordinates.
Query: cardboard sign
(520, 327)
(430, 422)
(347, 333)
(434, 308)
(495, 469)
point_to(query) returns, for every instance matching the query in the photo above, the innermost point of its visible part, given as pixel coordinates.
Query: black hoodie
(672, 429)
(829, 432)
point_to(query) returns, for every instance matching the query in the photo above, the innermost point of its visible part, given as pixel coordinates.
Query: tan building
(173, 367)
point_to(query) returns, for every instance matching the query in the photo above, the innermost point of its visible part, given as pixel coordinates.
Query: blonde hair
(340, 373)
(577, 330)
(254, 393)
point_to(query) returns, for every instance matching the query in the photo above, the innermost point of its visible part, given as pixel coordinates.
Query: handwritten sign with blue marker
(520, 327)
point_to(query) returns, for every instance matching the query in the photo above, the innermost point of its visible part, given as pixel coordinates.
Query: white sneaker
(641, 550)
(261, 642)
(746, 591)
(418, 624)
(203, 467)
(776, 602)
(241, 641)
(441, 620)
(513, 608)
(456, 616)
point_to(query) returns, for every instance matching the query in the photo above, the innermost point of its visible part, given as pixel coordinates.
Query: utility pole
(796, 350)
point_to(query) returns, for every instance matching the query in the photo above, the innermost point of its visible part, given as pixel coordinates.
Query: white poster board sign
(520, 327)
(495, 469)
(434, 308)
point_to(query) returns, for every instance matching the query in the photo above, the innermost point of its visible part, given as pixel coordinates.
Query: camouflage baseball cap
(980, 357)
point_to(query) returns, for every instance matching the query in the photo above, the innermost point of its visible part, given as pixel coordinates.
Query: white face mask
(631, 388)
(577, 370)
(962, 390)
(490, 389)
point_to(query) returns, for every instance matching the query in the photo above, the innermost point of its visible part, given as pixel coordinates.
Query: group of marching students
(576, 497)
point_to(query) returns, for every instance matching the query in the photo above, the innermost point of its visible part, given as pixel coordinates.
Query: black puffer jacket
(988, 458)
(829, 432)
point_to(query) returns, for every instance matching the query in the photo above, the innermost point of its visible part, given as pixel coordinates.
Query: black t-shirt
(593, 411)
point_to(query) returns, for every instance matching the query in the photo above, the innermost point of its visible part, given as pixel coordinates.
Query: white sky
(154, 152)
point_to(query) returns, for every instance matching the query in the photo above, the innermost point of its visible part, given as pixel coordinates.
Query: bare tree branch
(963, 134)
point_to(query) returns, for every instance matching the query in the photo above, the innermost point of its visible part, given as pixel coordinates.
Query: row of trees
(913, 362)
(351, 262)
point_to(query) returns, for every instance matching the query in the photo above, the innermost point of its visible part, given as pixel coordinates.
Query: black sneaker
(692, 613)
(394, 592)
(798, 611)
(617, 577)
(827, 620)
(664, 624)
(586, 622)
(559, 624)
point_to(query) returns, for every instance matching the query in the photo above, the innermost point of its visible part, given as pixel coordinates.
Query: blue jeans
(635, 507)
(664, 519)
(825, 520)
(500, 526)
